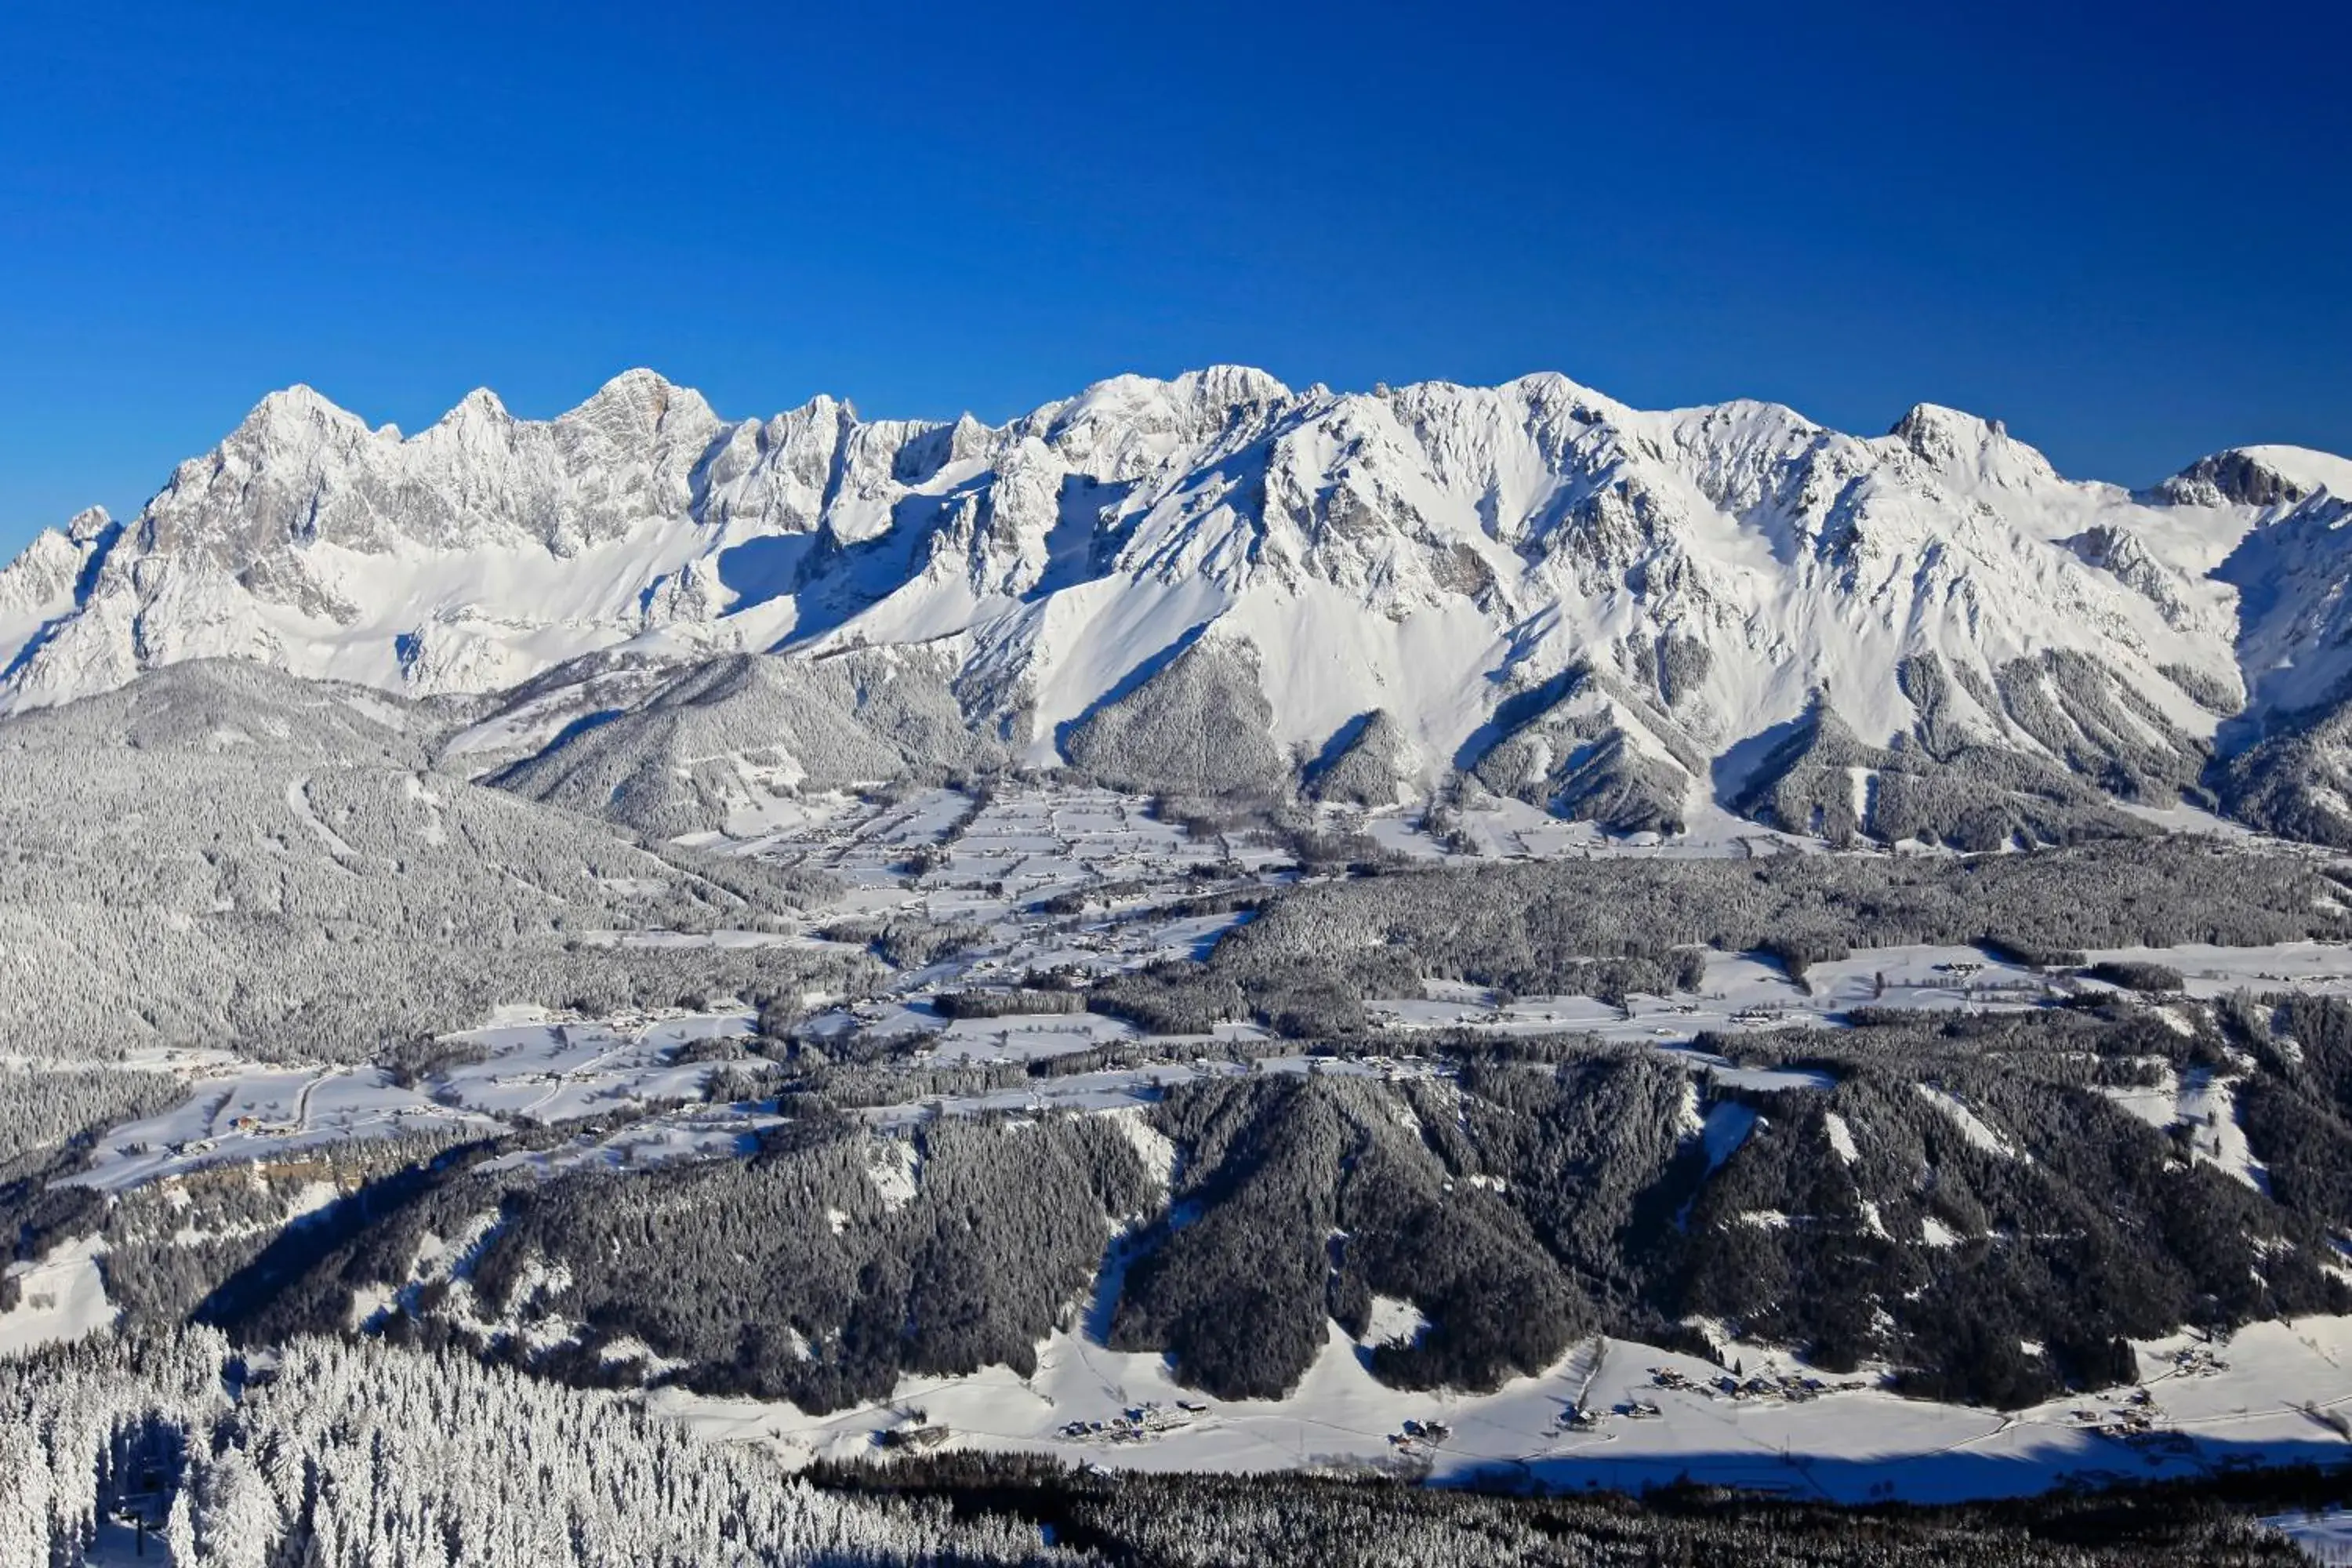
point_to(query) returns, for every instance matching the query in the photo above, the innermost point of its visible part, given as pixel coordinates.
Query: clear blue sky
(2129, 233)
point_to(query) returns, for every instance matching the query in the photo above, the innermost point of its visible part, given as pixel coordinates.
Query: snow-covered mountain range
(1217, 582)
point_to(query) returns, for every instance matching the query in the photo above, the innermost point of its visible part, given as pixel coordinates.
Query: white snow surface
(1426, 551)
(1845, 1445)
(1972, 1127)
(63, 1297)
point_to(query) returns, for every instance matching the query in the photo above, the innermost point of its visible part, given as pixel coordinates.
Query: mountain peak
(1230, 385)
(297, 405)
(639, 400)
(2261, 477)
(1956, 442)
(1931, 429)
(638, 381)
(88, 523)
(481, 404)
(1216, 387)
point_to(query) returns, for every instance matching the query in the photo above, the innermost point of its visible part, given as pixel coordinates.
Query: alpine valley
(1127, 987)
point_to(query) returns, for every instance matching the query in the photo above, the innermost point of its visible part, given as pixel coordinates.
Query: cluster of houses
(1136, 1423)
(2197, 1361)
(1789, 1387)
(2138, 1420)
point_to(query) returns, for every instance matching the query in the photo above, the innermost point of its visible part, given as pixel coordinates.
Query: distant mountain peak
(88, 523)
(1951, 438)
(2263, 477)
(298, 406)
(480, 406)
(642, 401)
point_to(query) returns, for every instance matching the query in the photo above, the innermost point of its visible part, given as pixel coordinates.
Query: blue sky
(2123, 230)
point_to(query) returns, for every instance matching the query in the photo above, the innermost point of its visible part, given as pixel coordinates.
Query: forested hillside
(1927, 1196)
(225, 857)
(351, 1454)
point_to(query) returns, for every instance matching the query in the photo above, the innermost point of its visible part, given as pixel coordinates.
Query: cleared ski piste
(2269, 1406)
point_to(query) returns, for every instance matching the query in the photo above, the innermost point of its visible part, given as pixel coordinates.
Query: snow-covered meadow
(2265, 1401)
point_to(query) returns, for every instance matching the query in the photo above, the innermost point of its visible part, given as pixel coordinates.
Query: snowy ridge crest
(1644, 607)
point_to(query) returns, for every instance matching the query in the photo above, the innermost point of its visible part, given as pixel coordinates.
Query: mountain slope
(725, 734)
(1613, 613)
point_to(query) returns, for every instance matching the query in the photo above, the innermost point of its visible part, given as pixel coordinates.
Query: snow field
(243, 1113)
(1847, 1444)
(63, 1297)
(534, 1070)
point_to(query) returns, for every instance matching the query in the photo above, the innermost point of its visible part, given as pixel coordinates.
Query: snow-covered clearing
(556, 1071)
(1728, 1125)
(2318, 968)
(1745, 992)
(298, 801)
(2206, 1104)
(1843, 1444)
(1023, 845)
(2326, 1537)
(240, 1112)
(1394, 1322)
(1497, 827)
(1027, 1037)
(531, 1070)
(1131, 1089)
(693, 1132)
(62, 1297)
(1841, 1137)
